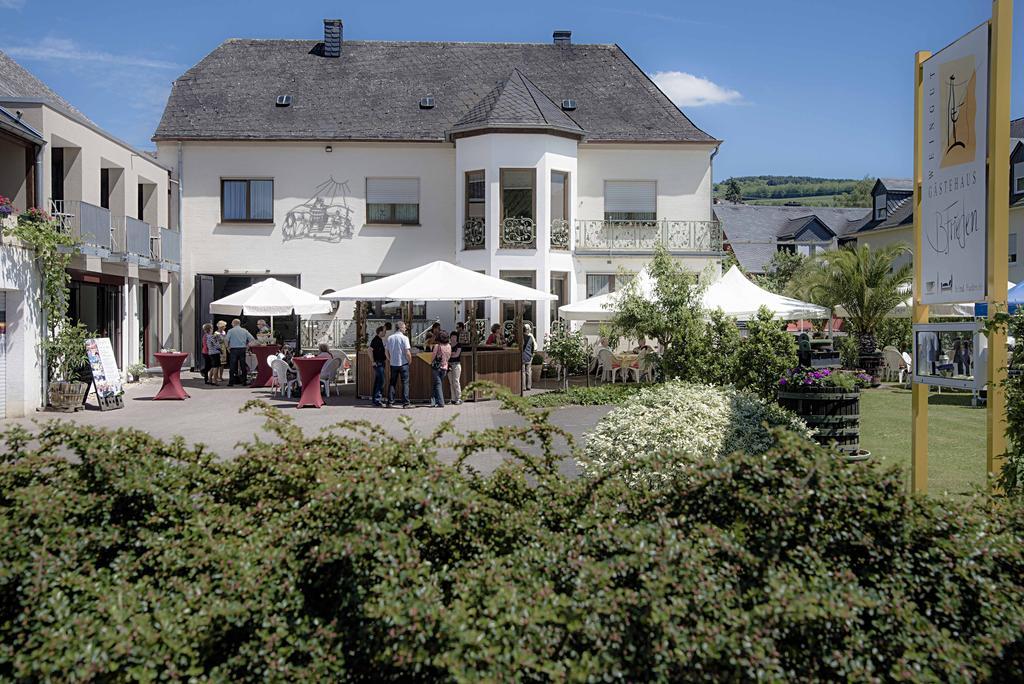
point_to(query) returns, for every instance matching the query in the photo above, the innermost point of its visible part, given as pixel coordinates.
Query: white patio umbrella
(439, 281)
(270, 297)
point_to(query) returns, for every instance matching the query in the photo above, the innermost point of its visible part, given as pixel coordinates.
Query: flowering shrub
(355, 554)
(6, 207)
(803, 378)
(667, 428)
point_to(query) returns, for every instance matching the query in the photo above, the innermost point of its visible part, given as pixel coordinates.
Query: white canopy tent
(439, 281)
(270, 297)
(733, 293)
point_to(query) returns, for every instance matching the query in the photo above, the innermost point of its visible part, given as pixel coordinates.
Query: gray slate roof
(1017, 128)
(17, 81)
(516, 103)
(898, 184)
(372, 91)
(753, 230)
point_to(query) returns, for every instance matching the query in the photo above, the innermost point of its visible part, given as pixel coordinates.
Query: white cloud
(12, 4)
(52, 49)
(687, 90)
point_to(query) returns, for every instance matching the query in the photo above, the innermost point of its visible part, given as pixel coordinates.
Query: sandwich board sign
(954, 188)
(106, 378)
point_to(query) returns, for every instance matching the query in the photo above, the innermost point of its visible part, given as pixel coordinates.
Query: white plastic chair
(909, 361)
(895, 366)
(281, 383)
(608, 365)
(641, 368)
(329, 375)
(346, 367)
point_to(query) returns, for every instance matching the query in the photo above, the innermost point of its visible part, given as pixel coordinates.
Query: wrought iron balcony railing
(560, 234)
(518, 233)
(643, 236)
(473, 236)
(87, 222)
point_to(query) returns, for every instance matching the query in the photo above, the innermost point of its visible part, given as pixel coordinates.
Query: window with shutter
(393, 201)
(630, 200)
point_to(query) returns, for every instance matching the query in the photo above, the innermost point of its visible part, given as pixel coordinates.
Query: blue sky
(816, 87)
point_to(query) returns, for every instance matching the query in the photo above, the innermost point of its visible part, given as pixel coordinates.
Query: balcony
(639, 237)
(473, 233)
(560, 234)
(165, 248)
(130, 238)
(518, 233)
(87, 222)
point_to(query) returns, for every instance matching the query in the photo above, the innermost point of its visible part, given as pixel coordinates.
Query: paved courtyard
(212, 417)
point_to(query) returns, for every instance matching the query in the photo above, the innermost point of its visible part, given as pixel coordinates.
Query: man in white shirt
(399, 353)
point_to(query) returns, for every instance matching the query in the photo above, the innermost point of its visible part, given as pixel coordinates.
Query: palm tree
(864, 281)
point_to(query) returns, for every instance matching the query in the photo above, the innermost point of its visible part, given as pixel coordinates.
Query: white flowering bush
(669, 427)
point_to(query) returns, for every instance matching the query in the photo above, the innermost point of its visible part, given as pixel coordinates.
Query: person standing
(222, 339)
(529, 347)
(455, 362)
(211, 355)
(439, 364)
(399, 355)
(379, 357)
(239, 340)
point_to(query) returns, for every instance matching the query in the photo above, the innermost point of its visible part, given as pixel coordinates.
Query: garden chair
(909, 361)
(895, 366)
(346, 367)
(281, 383)
(329, 375)
(642, 367)
(608, 365)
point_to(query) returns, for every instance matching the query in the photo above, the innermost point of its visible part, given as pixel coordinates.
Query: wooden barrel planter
(833, 414)
(68, 396)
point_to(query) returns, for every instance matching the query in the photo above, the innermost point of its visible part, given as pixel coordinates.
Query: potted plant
(536, 366)
(8, 220)
(65, 354)
(135, 371)
(829, 402)
(567, 350)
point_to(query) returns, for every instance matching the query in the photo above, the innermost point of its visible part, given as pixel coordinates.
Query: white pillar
(130, 325)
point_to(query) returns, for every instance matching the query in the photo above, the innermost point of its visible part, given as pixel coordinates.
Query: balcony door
(508, 309)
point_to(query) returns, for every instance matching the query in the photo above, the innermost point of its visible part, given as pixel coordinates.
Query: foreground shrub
(352, 555)
(668, 428)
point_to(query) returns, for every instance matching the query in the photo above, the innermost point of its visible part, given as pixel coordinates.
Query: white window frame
(1012, 248)
(1018, 178)
(650, 181)
(881, 211)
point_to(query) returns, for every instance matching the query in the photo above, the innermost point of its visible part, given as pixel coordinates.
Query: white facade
(303, 171)
(117, 200)
(21, 359)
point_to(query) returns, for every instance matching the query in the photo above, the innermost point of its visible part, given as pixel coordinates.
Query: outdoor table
(309, 376)
(170, 364)
(264, 374)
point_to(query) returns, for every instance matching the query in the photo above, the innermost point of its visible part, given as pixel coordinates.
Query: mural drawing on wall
(325, 216)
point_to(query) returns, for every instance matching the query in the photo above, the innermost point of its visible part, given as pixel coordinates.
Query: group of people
(223, 346)
(394, 351)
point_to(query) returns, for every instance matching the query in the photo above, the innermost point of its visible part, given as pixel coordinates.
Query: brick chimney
(332, 37)
(563, 38)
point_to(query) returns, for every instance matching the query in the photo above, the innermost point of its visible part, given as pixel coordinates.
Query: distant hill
(800, 190)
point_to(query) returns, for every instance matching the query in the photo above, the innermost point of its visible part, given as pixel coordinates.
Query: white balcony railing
(643, 236)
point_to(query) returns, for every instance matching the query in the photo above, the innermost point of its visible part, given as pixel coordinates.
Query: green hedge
(352, 555)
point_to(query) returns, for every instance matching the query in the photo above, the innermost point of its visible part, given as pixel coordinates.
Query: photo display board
(106, 377)
(950, 355)
(954, 189)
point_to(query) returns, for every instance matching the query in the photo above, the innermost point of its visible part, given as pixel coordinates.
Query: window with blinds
(599, 284)
(476, 196)
(1012, 248)
(246, 200)
(630, 200)
(393, 200)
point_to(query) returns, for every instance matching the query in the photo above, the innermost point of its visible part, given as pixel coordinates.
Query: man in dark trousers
(379, 359)
(238, 340)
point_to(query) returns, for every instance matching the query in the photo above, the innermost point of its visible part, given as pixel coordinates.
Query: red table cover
(309, 376)
(264, 374)
(170, 364)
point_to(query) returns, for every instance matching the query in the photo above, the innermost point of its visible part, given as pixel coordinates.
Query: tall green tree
(674, 315)
(780, 271)
(764, 355)
(865, 281)
(733, 191)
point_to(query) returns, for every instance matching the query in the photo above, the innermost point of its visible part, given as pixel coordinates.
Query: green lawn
(956, 436)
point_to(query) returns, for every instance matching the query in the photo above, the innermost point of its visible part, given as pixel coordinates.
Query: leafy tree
(722, 345)
(766, 353)
(733, 192)
(780, 270)
(858, 196)
(673, 316)
(568, 348)
(864, 281)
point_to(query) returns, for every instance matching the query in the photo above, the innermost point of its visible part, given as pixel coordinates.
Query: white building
(332, 162)
(115, 199)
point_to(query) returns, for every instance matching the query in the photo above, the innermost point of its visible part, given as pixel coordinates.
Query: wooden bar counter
(500, 366)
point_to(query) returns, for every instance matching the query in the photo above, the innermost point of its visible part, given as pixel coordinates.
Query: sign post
(961, 208)
(998, 234)
(106, 378)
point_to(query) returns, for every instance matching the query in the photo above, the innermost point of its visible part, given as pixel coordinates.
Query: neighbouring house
(754, 233)
(21, 322)
(121, 204)
(331, 162)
